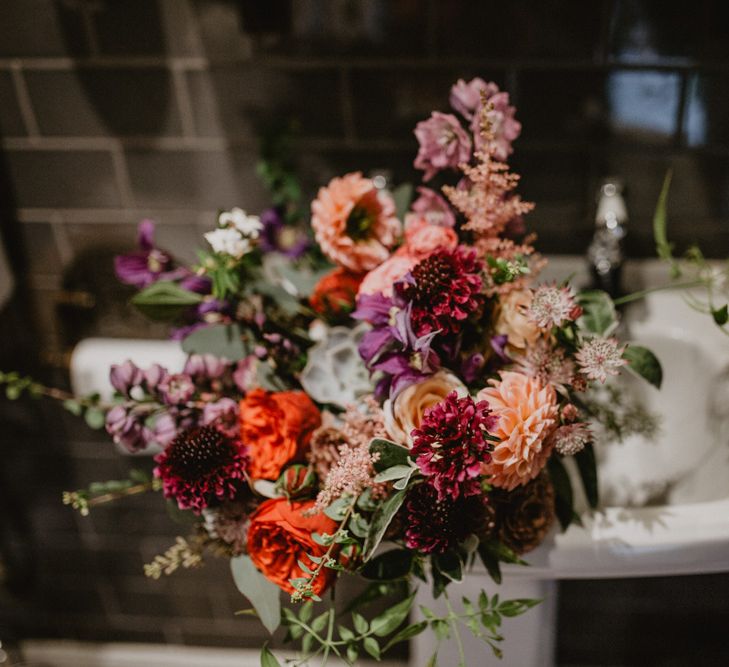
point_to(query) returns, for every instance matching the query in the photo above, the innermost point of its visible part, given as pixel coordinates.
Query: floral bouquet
(393, 398)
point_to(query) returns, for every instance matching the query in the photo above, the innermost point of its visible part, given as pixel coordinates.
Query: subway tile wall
(114, 110)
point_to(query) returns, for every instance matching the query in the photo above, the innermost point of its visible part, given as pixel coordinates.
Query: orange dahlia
(527, 412)
(354, 223)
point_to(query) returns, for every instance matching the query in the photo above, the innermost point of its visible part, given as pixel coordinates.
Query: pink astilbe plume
(353, 470)
(486, 195)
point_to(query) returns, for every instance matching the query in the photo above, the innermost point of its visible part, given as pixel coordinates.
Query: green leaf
(262, 593)
(449, 565)
(390, 619)
(94, 418)
(380, 522)
(563, 501)
(306, 610)
(222, 340)
(352, 653)
(372, 647)
(402, 196)
(360, 624)
(721, 315)
(393, 564)
(491, 562)
(390, 454)
(345, 633)
(395, 472)
(511, 608)
(644, 363)
(268, 659)
(338, 509)
(599, 316)
(359, 525)
(165, 300)
(320, 622)
(406, 633)
(433, 662)
(587, 466)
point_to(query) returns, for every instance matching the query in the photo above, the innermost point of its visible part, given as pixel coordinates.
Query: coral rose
(423, 238)
(276, 428)
(382, 279)
(405, 412)
(514, 322)
(335, 294)
(527, 412)
(280, 535)
(354, 223)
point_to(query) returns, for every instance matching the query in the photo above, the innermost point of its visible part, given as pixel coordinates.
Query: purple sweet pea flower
(124, 377)
(125, 430)
(443, 144)
(245, 373)
(277, 236)
(498, 344)
(197, 284)
(431, 206)
(148, 264)
(163, 431)
(177, 388)
(154, 375)
(472, 367)
(205, 366)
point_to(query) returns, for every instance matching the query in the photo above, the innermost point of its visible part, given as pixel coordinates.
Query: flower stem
(635, 296)
(453, 621)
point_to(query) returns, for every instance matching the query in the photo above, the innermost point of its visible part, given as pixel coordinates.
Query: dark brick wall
(113, 110)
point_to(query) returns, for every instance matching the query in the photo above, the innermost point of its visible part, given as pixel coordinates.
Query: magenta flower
(202, 467)
(451, 445)
(148, 264)
(465, 97)
(443, 143)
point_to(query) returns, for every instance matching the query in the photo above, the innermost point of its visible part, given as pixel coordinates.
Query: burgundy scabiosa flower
(435, 525)
(452, 444)
(201, 467)
(444, 290)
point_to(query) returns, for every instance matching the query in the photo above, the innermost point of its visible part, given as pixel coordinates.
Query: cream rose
(513, 322)
(405, 412)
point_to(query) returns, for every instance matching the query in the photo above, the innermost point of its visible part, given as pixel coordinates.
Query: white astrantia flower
(335, 372)
(249, 226)
(228, 241)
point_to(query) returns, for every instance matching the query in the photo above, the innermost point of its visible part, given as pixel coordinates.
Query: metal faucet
(605, 252)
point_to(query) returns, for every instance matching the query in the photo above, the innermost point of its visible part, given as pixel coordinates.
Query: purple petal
(145, 235)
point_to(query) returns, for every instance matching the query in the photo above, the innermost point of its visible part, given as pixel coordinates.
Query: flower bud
(297, 481)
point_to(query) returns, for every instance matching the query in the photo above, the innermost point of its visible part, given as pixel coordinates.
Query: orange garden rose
(276, 427)
(336, 292)
(280, 535)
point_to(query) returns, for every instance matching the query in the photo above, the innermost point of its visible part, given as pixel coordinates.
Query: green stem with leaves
(453, 621)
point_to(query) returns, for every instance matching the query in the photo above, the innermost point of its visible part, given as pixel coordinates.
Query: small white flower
(248, 225)
(600, 357)
(228, 241)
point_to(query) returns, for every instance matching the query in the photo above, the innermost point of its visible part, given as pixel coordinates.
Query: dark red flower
(200, 467)
(445, 289)
(436, 525)
(451, 445)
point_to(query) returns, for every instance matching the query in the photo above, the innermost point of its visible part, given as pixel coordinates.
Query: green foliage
(228, 341)
(389, 454)
(268, 659)
(103, 492)
(664, 249)
(263, 594)
(380, 522)
(599, 316)
(492, 553)
(393, 564)
(165, 301)
(645, 364)
(587, 466)
(563, 494)
(507, 270)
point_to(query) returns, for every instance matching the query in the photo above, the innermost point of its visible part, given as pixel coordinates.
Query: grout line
(347, 105)
(121, 172)
(111, 62)
(184, 101)
(26, 106)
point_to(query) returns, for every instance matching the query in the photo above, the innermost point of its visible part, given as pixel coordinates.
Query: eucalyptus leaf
(165, 300)
(222, 340)
(390, 454)
(94, 418)
(644, 363)
(261, 593)
(380, 522)
(395, 472)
